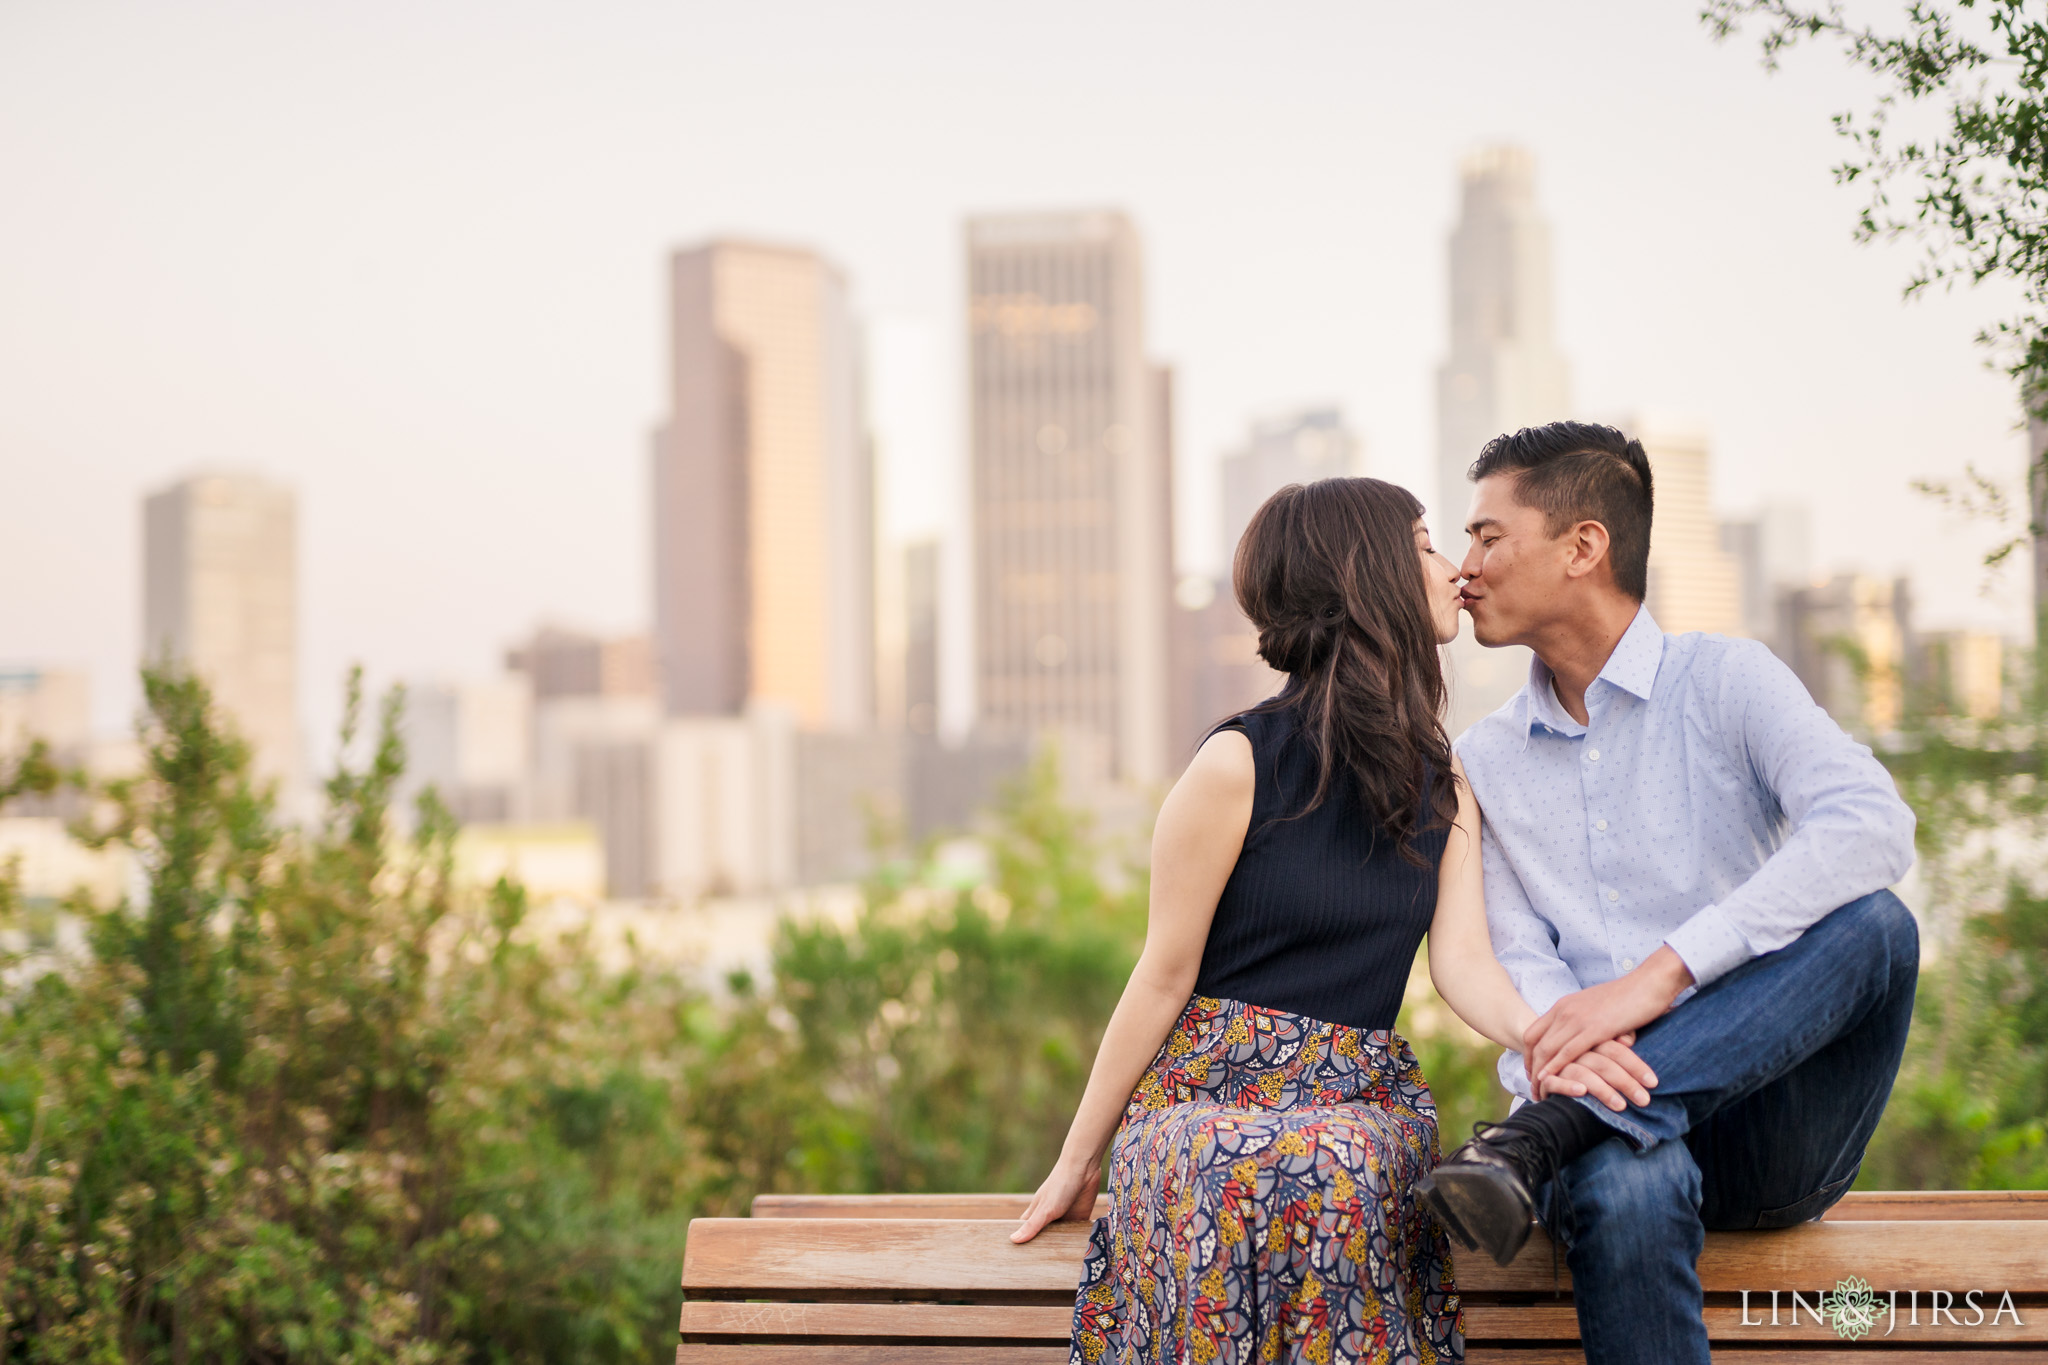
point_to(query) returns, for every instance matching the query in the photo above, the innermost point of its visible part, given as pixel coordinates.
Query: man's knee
(1621, 1195)
(1884, 913)
(1882, 922)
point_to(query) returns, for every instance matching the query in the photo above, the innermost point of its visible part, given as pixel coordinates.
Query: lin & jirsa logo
(1853, 1309)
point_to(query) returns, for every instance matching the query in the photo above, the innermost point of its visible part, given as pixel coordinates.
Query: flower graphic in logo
(1853, 1309)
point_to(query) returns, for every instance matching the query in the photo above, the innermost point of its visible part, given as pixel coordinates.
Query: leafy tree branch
(1971, 180)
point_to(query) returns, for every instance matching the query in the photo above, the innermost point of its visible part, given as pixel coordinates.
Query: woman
(1273, 1126)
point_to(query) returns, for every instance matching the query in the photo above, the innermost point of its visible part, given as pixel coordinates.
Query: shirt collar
(1632, 667)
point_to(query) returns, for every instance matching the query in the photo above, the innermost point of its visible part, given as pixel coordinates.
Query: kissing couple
(1657, 877)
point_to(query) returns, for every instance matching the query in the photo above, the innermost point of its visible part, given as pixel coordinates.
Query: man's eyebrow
(1481, 523)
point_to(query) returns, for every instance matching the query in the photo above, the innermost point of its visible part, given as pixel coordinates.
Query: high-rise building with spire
(1504, 370)
(1072, 489)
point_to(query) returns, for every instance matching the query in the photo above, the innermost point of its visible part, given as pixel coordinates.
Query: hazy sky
(408, 257)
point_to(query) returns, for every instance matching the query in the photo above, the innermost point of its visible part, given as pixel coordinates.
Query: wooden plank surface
(1531, 1322)
(1546, 1321)
(931, 1256)
(1009, 1206)
(1856, 1206)
(840, 1353)
(941, 1257)
(1725, 1355)
(966, 1321)
(1952, 1255)
(1943, 1205)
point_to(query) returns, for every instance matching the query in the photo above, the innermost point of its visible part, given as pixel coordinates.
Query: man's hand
(1583, 1020)
(1607, 1073)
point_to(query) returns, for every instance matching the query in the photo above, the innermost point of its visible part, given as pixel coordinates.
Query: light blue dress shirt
(1708, 803)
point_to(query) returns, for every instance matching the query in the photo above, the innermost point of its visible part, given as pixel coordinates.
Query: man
(1683, 855)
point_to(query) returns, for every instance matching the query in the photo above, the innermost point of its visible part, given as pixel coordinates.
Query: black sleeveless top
(1322, 915)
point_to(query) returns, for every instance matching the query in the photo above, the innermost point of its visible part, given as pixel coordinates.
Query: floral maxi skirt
(1262, 1202)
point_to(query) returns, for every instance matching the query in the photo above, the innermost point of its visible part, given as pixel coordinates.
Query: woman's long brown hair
(1329, 574)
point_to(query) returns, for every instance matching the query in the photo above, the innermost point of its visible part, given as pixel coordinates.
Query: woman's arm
(1195, 843)
(1476, 987)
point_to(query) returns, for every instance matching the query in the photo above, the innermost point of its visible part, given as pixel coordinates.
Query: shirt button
(1593, 754)
(1599, 824)
(1614, 895)
(1628, 964)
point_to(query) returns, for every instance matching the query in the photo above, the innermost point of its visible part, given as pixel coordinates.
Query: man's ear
(1585, 549)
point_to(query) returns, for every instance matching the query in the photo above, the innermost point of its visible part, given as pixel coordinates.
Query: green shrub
(941, 1041)
(305, 1103)
(308, 1102)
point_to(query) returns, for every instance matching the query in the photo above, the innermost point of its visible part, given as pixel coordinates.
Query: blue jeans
(1770, 1082)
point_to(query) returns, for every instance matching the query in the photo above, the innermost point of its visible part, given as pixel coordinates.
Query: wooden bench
(868, 1279)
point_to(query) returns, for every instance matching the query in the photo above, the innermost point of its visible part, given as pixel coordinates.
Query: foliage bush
(1970, 1107)
(307, 1101)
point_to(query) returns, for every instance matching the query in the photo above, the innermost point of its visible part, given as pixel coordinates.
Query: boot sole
(1478, 1211)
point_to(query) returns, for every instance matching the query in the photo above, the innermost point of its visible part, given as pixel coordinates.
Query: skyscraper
(763, 492)
(921, 637)
(1299, 447)
(220, 597)
(1504, 370)
(1861, 685)
(47, 704)
(1071, 475)
(1772, 550)
(1695, 584)
(1217, 670)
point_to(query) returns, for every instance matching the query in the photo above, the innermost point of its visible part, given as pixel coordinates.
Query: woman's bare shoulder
(1225, 753)
(1222, 768)
(1210, 806)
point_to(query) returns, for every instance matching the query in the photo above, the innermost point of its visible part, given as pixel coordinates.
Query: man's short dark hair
(1577, 471)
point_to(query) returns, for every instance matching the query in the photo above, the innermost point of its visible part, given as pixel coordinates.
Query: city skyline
(464, 449)
(769, 413)
(738, 747)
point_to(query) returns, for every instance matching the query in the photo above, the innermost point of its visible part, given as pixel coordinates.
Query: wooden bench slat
(1953, 1255)
(1766, 1355)
(1045, 1322)
(839, 1353)
(1856, 1206)
(1559, 1322)
(1009, 1206)
(1491, 1323)
(930, 1257)
(939, 1257)
(1949, 1206)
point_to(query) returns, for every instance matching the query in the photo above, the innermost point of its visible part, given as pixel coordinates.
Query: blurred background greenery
(303, 1099)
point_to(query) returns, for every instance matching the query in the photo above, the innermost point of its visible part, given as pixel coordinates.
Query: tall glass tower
(1071, 489)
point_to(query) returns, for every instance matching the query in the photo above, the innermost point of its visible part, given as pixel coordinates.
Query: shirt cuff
(1709, 945)
(1514, 1077)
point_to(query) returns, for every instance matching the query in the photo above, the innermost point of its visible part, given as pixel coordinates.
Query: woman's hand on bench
(1069, 1193)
